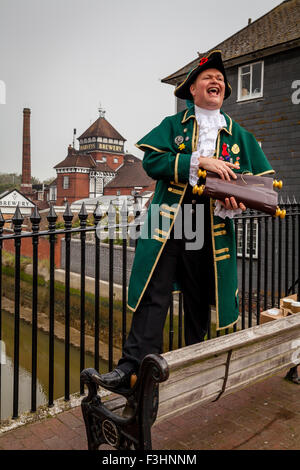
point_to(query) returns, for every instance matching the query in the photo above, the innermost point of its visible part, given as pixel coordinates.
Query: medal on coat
(235, 149)
(179, 139)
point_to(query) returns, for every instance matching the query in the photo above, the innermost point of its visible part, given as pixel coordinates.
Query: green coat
(167, 160)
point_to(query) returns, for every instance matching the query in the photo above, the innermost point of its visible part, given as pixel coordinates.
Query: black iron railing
(268, 266)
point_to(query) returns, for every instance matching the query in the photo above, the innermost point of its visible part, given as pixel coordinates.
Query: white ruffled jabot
(210, 122)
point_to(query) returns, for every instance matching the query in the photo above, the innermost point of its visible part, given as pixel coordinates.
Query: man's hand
(218, 166)
(224, 171)
(231, 204)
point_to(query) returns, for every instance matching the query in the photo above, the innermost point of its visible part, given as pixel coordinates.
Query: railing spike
(52, 218)
(68, 217)
(68, 212)
(83, 212)
(2, 220)
(35, 219)
(35, 215)
(17, 218)
(98, 214)
(52, 212)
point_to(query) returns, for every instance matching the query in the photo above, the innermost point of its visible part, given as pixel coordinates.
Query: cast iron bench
(188, 377)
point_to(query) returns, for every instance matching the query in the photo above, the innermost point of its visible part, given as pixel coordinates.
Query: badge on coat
(235, 149)
(179, 139)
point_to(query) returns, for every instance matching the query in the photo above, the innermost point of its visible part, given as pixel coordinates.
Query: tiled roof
(102, 128)
(76, 159)
(277, 27)
(131, 174)
(83, 160)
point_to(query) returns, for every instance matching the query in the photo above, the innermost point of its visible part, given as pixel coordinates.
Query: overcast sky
(61, 58)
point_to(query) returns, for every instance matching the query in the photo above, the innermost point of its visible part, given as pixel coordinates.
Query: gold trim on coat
(269, 172)
(175, 191)
(215, 264)
(159, 253)
(180, 185)
(165, 214)
(185, 119)
(155, 237)
(227, 326)
(229, 131)
(213, 234)
(161, 232)
(223, 250)
(169, 208)
(176, 167)
(150, 147)
(221, 258)
(219, 226)
(218, 234)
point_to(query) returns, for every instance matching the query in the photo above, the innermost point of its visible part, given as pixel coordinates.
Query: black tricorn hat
(212, 61)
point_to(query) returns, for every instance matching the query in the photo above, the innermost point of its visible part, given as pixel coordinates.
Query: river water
(42, 367)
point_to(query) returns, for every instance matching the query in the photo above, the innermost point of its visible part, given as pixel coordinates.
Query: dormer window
(251, 81)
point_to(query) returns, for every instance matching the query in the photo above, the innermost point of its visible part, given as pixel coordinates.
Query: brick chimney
(26, 186)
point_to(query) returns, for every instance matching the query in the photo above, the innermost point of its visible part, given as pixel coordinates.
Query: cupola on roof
(102, 128)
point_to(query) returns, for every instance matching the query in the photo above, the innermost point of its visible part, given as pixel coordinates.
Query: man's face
(208, 89)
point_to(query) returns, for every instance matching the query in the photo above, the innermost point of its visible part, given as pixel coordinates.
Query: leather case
(256, 192)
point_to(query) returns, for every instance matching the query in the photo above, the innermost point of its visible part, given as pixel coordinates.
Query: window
(116, 160)
(251, 81)
(52, 193)
(104, 159)
(99, 186)
(247, 238)
(66, 182)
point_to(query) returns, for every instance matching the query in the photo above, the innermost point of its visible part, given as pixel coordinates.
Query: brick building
(262, 63)
(99, 167)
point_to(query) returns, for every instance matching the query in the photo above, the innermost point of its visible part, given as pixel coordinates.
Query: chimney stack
(26, 186)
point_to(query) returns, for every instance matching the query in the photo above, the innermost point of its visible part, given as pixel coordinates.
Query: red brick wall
(43, 248)
(110, 159)
(78, 187)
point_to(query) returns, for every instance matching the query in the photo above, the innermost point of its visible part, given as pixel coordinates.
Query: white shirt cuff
(194, 167)
(222, 212)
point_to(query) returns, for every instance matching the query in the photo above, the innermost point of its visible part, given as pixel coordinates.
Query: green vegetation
(9, 181)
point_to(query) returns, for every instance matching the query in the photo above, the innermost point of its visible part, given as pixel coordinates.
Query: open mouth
(213, 91)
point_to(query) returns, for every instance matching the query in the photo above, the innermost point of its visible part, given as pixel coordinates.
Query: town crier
(200, 137)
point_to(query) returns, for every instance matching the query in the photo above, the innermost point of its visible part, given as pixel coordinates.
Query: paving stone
(264, 417)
